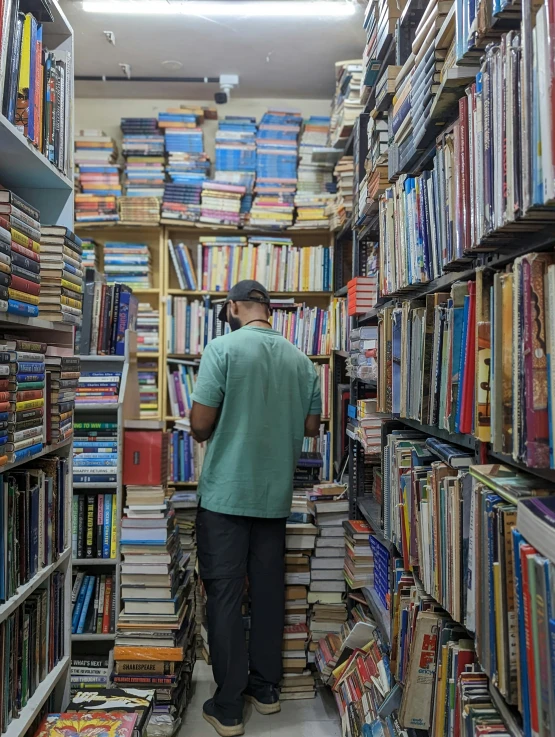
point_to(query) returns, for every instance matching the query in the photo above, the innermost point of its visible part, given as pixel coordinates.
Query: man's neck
(258, 322)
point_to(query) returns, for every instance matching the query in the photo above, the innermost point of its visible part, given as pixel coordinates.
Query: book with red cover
(145, 458)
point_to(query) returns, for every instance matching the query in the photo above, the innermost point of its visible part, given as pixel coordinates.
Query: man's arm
(203, 421)
(312, 426)
(312, 421)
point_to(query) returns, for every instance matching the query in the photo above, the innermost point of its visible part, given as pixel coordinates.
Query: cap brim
(223, 312)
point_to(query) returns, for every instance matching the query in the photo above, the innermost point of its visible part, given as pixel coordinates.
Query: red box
(145, 458)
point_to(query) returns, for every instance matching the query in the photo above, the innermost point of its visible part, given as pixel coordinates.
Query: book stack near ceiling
(61, 279)
(314, 178)
(341, 208)
(143, 151)
(236, 158)
(276, 169)
(128, 263)
(346, 106)
(98, 178)
(221, 203)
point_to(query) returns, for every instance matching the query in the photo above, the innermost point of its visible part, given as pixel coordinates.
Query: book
(88, 723)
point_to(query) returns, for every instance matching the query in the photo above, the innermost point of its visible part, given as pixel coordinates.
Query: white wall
(105, 114)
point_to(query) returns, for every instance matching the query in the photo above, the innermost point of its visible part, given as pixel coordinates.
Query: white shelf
(108, 407)
(46, 449)
(89, 637)
(94, 561)
(24, 591)
(102, 359)
(31, 322)
(20, 725)
(107, 485)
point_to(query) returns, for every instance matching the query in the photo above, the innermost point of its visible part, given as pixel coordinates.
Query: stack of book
(363, 356)
(94, 516)
(362, 294)
(379, 23)
(61, 280)
(297, 682)
(90, 253)
(96, 208)
(98, 177)
(346, 105)
(143, 150)
(221, 203)
(236, 157)
(148, 388)
(314, 178)
(148, 327)
(128, 263)
(93, 604)
(306, 327)
(299, 543)
(20, 237)
(341, 208)
(366, 427)
(276, 169)
(157, 623)
(90, 671)
(142, 137)
(186, 456)
(98, 387)
(327, 583)
(100, 438)
(375, 180)
(359, 560)
(185, 504)
(62, 380)
(181, 381)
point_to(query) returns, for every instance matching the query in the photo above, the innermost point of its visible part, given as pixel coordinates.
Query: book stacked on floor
(109, 310)
(327, 583)
(298, 681)
(86, 723)
(359, 558)
(100, 438)
(90, 671)
(236, 157)
(61, 275)
(37, 84)
(128, 263)
(94, 515)
(94, 607)
(148, 388)
(306, 327)
(62, 380)
(314, 178)
(30, 545)
(276, 169)
(186, 456)
(20, 237)
(33, 643)
(22, 410)
(221, 203)
(117, 701)
(98, 387)
(156, 629)
(185, 505)
(346, 106)
(148, 326)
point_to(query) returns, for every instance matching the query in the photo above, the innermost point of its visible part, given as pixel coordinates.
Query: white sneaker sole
(221, 729)
(263, 708)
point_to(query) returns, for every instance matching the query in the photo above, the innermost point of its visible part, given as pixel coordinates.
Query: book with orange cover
(122, 652)
(88, 724)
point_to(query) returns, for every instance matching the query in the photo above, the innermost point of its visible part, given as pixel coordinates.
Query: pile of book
(143, 150)
(341, 209)
(90, 253)
(375, 180)
(98, 177)
(139, 210)
(221, 203)
(358, 567)
(90, 671)
(185, 504)
(94, 515)
(148, 326)
(147, 375)
(327, 583)
(98, 388)
(23, 377)
(37, 84)
(306, 327)
(61, 275)
(380, 20)
(24, 531)
(314, 178)
(362, 294)
(157, 623)
(297, 683)
(95, 456)
(276, 169)
(193, 325)
(62, 380)
(346, 105)
(181, 381)
(186, 456)
(94, 610)
(363, 356)
(236, 157)
(366, 427)
(128, 263)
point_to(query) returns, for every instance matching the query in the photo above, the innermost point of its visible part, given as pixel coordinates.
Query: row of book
(101, 440)
(37, 83)
(33, 643)
(33, 534)
(222, 261)
(93, 517)
(186, 456)
(93, 601)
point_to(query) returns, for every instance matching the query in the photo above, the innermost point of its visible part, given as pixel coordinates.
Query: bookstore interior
(385, 169)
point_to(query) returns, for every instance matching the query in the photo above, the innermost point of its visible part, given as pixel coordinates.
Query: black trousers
(231, 548)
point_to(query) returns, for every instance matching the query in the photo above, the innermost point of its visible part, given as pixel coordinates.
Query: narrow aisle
(309, 717)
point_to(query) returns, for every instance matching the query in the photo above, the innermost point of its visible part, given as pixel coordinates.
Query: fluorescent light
(262, 9)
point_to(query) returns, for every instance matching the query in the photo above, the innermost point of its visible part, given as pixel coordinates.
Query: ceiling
(274, 57)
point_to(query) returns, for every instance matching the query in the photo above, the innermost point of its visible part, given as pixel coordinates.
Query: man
(255, 399)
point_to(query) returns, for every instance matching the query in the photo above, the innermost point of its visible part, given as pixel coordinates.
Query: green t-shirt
(266, 388)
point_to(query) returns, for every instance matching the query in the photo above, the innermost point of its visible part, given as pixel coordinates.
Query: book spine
(89, 551)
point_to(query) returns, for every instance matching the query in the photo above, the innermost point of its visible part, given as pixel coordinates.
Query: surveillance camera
(221, 98)
(227, 83)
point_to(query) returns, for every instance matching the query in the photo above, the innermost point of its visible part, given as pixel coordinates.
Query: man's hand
(203, 421)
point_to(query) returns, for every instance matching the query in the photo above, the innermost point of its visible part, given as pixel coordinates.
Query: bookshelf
(125, 409)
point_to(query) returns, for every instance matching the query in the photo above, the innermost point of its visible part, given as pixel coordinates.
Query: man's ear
(233, 309)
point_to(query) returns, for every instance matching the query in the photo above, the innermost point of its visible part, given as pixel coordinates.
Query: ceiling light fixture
(261, 9)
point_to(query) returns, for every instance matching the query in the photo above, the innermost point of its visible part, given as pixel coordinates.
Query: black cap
(247, 290)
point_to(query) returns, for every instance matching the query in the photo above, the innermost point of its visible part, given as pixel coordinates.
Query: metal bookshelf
(125, 409)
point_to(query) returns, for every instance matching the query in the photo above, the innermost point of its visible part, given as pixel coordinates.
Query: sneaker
(265, 699)
(224, 727)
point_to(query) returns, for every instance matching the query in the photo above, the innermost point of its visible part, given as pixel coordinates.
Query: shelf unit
(29, 174)
(125, 409)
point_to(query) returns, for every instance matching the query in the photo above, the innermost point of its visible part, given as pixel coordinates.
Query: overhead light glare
(264, 9)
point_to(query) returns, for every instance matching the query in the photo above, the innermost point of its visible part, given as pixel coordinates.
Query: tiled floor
(305, 718)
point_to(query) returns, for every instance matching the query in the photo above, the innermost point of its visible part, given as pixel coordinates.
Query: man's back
(266, 388)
